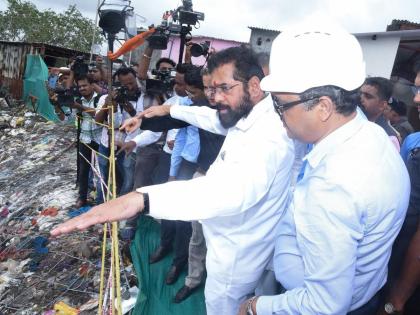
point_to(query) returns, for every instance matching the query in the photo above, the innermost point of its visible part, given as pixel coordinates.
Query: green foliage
(22, 21)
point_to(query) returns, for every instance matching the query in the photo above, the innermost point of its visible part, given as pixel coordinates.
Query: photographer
(152, 152)
(97, 72)
(90, 133)
(128, 99)
(163, 64)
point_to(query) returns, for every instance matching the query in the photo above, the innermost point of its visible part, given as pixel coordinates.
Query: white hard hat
(307, 57)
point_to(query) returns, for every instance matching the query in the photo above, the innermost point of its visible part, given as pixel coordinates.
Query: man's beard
(232, 116)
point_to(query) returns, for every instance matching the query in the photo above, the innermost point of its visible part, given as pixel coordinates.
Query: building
(261, 39)
(13, 61)
(173, 49)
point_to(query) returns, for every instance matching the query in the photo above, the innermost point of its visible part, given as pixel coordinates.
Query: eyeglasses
(281, 108)
(220, 89)
(415, 89)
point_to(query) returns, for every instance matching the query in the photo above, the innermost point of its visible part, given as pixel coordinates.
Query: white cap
(305, 57)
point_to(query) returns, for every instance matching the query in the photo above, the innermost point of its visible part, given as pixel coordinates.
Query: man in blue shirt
(336, 236)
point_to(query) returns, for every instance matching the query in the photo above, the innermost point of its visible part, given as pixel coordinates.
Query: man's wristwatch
(146, 202)
(390, 308)
(249, 310)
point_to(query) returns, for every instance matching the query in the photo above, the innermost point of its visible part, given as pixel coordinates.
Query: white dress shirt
(89, 130)
(241, 199)
(336, 237)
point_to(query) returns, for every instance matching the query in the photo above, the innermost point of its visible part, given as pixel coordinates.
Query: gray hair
(345, 101)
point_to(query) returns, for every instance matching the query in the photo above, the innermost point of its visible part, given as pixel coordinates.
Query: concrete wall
(218, 44)
(261, 40)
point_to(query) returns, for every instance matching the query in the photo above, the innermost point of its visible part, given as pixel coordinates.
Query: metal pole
(94, 33)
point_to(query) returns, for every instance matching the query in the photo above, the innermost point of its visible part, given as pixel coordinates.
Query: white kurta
(241, 199)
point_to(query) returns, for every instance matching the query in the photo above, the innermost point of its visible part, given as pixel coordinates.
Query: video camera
(66, 97)
(123, 95)
(162, 83)
(175, 22)
(79, 67)
(201, 49)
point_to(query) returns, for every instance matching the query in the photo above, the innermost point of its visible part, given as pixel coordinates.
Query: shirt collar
(338, 136)
(266, 104)
(88, 101)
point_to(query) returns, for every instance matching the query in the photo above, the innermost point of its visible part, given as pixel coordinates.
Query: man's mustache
(220, 107)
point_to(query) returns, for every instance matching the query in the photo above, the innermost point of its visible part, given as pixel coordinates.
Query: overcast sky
(229, 19)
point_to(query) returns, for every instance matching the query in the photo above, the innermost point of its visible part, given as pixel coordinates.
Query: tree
(22, 21)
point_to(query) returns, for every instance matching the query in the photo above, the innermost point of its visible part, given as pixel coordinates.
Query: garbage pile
(39, 274)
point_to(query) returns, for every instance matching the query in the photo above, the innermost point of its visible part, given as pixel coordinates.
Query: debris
(62, 308)
(37, 191)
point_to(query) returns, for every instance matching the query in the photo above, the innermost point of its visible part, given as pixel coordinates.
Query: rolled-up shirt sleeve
(329, 227)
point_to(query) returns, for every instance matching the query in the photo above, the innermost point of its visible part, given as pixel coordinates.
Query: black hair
(263, 59)
(194, 78)
(124, 71)
(384, 87)
(244, 60)
(345, 101)
(84, 77)
(399, 107)
(167, 60)
(182, 68)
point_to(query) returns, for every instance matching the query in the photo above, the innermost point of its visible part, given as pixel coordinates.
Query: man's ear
(383, 105)
(325, 108)
(254, 88)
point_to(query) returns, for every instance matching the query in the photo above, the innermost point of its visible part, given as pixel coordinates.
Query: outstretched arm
(122, 208)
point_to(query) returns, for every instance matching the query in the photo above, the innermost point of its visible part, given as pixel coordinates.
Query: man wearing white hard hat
(336, 236)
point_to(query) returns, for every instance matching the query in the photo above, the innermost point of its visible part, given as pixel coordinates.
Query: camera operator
(62, 111)
(90, 133)
(97, 72)
(149, 160)
(129, 99)
(163, 64)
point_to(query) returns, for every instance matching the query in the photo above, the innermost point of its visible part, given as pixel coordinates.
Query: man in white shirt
(90, 134)
(244, 193)
(336, 236)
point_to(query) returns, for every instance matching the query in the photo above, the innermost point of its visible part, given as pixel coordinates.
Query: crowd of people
(294, 187)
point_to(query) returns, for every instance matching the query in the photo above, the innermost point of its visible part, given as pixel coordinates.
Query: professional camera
(159, 39)
(163, 82)
(201, 49)
(123, 95)
(66, 97)
(79, 67)
(175, 22)
(185, 14)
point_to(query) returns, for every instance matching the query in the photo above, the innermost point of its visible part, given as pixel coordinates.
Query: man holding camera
(90, 133)
(128, 100)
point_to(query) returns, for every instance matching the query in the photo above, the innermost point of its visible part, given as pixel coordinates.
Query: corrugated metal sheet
(13, 60)
(12, 65)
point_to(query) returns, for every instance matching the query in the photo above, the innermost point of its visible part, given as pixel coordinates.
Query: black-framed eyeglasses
(281, 108)
(220, 89)
(415, 89)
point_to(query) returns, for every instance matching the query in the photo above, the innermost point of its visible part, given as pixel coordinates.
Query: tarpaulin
(155, 296)
(34, 84)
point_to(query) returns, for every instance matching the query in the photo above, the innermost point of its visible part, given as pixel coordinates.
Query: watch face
(389, 308)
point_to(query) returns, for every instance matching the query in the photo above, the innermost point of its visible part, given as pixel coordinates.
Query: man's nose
(218, 97)
(417, 99)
